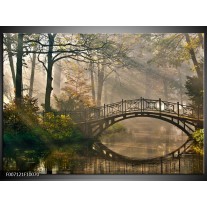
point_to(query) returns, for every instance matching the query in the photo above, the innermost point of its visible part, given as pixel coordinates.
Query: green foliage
(69, 103)
(172, 49)
(21, 124)
(198, 135)
(116, 128)
(22, 139)
(20, 119)
(194, 88)
(60, 127)
(24, 127)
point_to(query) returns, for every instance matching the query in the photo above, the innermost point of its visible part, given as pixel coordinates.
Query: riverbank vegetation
(28, 133)
(198, 136)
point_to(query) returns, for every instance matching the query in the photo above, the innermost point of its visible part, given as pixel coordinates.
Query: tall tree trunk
(100, 83)
(193, 57)
(18, 91)
(92, 83)
(201, 39)
(49, 73)
(32, 75)
(11, 62)
(57, 78)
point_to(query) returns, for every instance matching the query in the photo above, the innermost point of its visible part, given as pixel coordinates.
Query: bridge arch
(96, 119)
(188, 127)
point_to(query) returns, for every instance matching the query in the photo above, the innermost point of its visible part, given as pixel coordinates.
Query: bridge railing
(136, 105)
(142, 105)
(133, 105)
(94, 113)
(150, 105)
(114, 109)
(178, 109)
(169, 107)
(190, 111)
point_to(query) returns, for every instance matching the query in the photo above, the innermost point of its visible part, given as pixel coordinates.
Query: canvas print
(103, 103)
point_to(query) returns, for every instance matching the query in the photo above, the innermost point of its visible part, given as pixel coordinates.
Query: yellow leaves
(198, 150)
(198, 135)
(77, 90)
(59, 127)
(194, 44)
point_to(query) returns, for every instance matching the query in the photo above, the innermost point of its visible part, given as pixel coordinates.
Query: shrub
(115, 128)
(20, 124)
(60, 127)
(24, 127)
(198, 135)
(20, 119)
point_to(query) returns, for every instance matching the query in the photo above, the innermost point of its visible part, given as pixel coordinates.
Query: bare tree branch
(38, 57)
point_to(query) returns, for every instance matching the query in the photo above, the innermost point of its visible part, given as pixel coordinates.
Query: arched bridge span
(93, 121)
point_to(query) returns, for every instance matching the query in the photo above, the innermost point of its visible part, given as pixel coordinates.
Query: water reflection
(143, 139)
(186, 164)
(65, 163)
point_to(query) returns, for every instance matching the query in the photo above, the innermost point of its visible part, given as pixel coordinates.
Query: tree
(191, 48)
(194, 85)
(8, 42)
(32, 75)
(76, 93)
(198, 146)
(60, 46)
(50, 63)
(195, 91)
(91, 68)
(109, 60)
(18, 91)
(51, 48)
(173, 50)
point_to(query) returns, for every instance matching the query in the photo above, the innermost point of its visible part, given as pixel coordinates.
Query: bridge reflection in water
(63, 161)
(121, 160)
(185, 164)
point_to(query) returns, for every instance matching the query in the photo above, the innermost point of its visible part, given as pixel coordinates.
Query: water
(186, 164)
(143, 139)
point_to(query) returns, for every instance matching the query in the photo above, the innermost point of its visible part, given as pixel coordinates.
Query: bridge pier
(86, 130)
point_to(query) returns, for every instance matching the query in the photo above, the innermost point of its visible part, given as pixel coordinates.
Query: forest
(47, 75)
